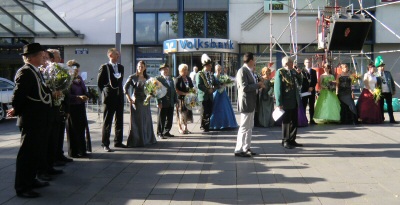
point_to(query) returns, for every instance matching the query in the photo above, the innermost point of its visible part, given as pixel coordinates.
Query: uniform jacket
(285, 88)
(109, 85)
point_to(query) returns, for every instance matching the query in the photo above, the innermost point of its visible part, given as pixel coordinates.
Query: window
(194, 24)
(167, 26)
(217, 24)
(145, 28)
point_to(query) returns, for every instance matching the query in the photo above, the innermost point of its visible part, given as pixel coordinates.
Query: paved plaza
(339, 164)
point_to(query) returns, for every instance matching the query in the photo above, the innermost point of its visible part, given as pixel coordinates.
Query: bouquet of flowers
(59, 78)
(354, 78)
(191, 100)
(226, 81)
(377, 94)
(332, 85)
(153, 88)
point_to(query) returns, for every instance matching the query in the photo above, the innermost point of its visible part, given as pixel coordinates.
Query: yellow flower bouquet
(153, 88)
(377, 94)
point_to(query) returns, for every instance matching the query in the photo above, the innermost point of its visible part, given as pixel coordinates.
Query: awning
(32, 18)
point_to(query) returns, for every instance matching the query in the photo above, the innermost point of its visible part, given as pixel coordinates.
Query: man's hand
(84, 98)
(10, 112)
(310, 89)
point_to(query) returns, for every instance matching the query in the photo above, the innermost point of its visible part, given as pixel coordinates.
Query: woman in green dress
(327, 107)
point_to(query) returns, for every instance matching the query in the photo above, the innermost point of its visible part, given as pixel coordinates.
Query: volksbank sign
(200, 45)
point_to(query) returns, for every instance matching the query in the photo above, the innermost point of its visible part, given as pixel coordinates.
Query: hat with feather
(205, 60)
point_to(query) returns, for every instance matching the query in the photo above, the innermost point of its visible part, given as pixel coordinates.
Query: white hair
(285, 60)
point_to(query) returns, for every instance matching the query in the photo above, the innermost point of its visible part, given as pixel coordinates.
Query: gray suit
(247, 96)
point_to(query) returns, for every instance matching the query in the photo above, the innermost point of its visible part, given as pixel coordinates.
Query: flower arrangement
(59, 78)
(226, 81)
(354, 78)
(153, 88)
(377, 94)
(191, 101)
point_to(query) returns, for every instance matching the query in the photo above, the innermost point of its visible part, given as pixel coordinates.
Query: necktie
(115, 68)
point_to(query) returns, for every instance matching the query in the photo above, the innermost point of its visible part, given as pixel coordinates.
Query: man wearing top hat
(386, 83)
(166, 104)
(206, 84)
(109, 82)
(31, 102)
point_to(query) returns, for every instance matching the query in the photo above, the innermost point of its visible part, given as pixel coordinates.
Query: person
(76, 123)
(31, 102)
(368, 108)
(247, 86)
(222, 115)
(348, 110)
(166, 104)
(192, 74)
(386, 83)
(266, 100)
(60, 113)
(206, 84)
(327, 107)
(287, 99)
(141, 130)
(183, 84)
(308, 85)
(109, 81)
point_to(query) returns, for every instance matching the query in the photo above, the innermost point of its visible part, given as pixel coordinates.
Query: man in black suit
(308, 85)
(166, 104)
(109, 82)
(31, 102)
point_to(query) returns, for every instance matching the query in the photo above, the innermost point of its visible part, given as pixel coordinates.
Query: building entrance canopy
(32, 18)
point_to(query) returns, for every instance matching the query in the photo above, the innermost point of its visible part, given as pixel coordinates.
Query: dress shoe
(287, 145)
(39, 184)
(295, 144)
(53, 171)
(394, 122)
(65, 159)
(44, 177)
(169, 135)
(312, 122)
(251, 152)
(59, 163)
(28, 194)
(120, 145)
(243, 154)
(160, 136)
(107, 148)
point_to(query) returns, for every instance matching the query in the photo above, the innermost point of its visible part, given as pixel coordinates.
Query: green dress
(327, 108)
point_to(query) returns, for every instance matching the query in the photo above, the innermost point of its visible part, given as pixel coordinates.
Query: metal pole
(270, 32)
(118, 18)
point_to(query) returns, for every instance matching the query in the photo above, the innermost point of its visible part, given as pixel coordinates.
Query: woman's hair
(328, 66)
(182, 67)
(144, 72)
(72, 63)
(265, 71)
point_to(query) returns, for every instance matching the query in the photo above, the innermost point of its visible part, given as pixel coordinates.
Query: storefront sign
(200, 45)
(81, 51)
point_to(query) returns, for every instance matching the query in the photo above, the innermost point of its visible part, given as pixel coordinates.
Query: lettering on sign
(80, 51)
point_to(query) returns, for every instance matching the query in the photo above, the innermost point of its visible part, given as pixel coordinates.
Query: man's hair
(195, 68)
(111, 50)
(285, 60)
(248, 56)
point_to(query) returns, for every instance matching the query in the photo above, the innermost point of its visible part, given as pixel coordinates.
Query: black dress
(185, 115)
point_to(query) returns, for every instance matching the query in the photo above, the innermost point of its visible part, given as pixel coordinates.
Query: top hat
(164, 65)
(205, 60)
(379, 61)
(32, 48)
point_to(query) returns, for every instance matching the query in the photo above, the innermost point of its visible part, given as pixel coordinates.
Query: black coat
(309, 80)
(109, 85)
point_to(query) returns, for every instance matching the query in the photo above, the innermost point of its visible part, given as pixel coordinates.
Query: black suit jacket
(31, 98)
(309, 80)
(170, 98)
(109, 85)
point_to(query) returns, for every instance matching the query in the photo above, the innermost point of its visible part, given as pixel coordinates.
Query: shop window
(145, 28)
(194, 24)
(217, 24)
(248, 48)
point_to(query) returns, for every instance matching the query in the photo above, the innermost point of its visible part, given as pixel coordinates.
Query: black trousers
(206, 115)
(165, 118)
(76, 130)
(289, 125)
(388, 98)
(110, 110)
(310, 101)
(31, 152)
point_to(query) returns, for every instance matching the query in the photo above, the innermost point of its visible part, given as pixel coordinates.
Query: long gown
(327, 107)
(348, 110)
(141, 130)
(222, 115)
(368, 110)
(266, 106)
(302, 120)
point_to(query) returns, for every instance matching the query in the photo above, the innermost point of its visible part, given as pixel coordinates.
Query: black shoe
(312, 122)
(65, 159)
(107, 148)
(120, 145)
(39, 184)
(394, 122)
(243, 154)
(295, 144)
(206, 130)
(169, 135)
(160, 136)
(44, 177)
(251, 152)
(28, 194)
(287, 145)
(59, 163)
(53, 171)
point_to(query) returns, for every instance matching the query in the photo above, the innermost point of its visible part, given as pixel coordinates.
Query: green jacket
(286, 88)
(203, 86)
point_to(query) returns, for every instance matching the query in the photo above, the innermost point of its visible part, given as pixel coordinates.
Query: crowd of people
(45, 113)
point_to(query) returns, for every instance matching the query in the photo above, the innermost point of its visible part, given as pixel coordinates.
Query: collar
(34, 67)
(113, 64)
